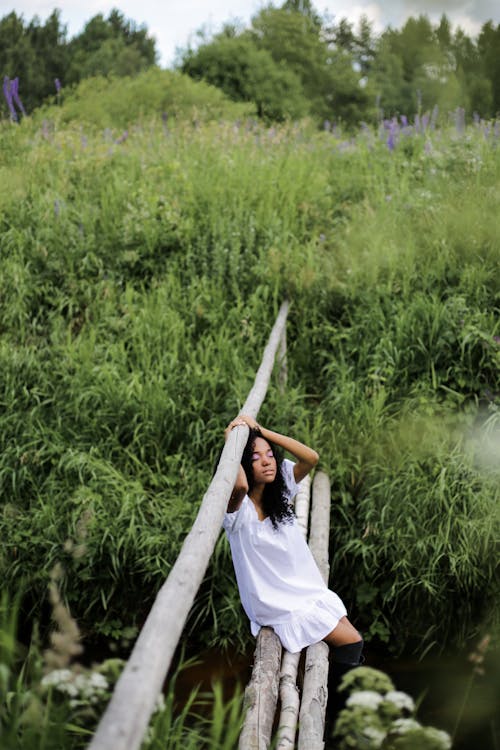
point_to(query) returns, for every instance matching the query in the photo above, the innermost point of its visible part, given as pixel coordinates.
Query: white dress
(279, 582)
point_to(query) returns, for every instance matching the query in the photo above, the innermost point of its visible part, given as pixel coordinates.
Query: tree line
(290, 61)
(43, 59)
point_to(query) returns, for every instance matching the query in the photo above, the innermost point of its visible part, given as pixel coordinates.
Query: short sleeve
(233, 521)
(287, 472)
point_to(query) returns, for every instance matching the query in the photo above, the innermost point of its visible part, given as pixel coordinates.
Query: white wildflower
(401, 726)
(400, 699)
(98, 681)
(442, 738)
(77, 686)
(365, 698)
(56, 677)
(377, 736)
(70, 688)
(80, 683)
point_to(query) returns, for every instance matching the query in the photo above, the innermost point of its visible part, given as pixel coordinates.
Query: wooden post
(126, 718)
(302, 501)
(289, 693)
(315, 692)
(261, 693)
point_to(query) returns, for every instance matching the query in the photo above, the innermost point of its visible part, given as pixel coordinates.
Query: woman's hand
(238, 421)
(250, 421)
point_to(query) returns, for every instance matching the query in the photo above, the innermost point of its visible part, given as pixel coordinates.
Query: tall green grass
(139, 281)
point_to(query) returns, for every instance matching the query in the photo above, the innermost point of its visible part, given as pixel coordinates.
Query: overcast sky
(174, 22)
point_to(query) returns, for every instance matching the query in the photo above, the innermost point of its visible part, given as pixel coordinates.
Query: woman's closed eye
(256, 456)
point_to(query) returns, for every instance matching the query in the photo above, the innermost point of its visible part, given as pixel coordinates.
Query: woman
(279, 582)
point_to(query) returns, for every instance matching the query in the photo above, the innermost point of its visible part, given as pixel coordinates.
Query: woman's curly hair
(275, 502)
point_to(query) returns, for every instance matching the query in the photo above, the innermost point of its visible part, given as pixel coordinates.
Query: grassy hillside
(140, 276)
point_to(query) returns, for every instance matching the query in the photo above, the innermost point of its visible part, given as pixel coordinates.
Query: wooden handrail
(124, 723)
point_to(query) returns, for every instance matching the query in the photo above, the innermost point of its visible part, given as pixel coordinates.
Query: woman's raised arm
(240, 488)
(307, 458)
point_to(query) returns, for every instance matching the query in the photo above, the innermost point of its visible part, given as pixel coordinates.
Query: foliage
(38, 54)
(137, 291)
(112, 46)
(119, 103)
(291, 61)
(60, 708)
(246, 73)
(283, 64)
(377, 716)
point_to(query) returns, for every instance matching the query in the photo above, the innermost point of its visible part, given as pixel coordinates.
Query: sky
(174, 23)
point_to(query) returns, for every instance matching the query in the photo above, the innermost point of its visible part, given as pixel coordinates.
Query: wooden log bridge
(124, 723)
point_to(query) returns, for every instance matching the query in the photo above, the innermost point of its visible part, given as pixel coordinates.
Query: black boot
(342, 660)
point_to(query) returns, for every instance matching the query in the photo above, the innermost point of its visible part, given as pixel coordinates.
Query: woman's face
(264, 465)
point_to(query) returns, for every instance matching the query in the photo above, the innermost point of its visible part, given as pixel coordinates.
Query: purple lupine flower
(7, 92)
(425, 122)
(14, 87)
(404, 121)
(393, 132)
(57, 84)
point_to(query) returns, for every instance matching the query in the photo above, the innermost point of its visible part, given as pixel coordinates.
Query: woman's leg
(346, 646)
(343, 634)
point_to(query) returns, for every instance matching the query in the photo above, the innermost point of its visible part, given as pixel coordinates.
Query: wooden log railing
(124, 723)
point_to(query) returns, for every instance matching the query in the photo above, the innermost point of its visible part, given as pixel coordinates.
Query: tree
(17, 57)
(48, 42)
(39, 53)
(415, 69)
(475, 84)
(112, 46)
(246, 73)
(393, 92)
(360, 43)
(328, 76)
(488, 45)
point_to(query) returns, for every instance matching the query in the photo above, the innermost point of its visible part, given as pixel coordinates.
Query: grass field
(143, 260)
